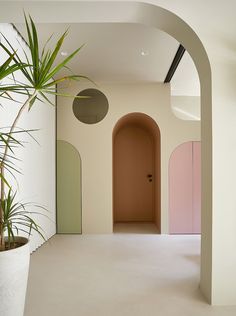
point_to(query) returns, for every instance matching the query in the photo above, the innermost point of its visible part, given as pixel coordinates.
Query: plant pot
(14, 268)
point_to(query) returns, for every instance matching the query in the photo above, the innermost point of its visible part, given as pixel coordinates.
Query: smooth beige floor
(118, 275)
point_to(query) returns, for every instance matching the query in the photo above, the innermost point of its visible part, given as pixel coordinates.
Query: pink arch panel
(185, 189)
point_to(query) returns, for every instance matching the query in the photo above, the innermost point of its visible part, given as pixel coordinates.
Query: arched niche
(136, 170)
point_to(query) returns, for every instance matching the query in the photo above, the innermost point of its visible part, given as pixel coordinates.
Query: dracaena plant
(6, 69)
(39, 68)
(17, 218)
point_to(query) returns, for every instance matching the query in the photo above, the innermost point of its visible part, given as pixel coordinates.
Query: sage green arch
(69, 206)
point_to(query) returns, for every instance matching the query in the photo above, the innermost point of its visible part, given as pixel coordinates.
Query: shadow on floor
(194, 258)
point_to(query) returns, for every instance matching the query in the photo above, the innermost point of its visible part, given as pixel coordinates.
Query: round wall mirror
(90, 110)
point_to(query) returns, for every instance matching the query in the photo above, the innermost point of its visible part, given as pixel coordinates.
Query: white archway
(154, 16)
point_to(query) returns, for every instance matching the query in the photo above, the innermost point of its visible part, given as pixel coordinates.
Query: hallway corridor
(118, 275)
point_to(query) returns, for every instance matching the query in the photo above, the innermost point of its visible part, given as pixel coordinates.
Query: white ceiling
(112, 52)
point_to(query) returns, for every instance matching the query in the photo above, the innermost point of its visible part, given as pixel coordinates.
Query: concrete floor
(118, 275)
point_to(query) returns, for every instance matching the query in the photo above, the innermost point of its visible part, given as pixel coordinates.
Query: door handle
(149, 175)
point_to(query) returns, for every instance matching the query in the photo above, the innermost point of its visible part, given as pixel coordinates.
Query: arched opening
(136, 171)
(158, 17)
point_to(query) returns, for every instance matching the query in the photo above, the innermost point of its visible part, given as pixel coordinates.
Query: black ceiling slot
(178, 56)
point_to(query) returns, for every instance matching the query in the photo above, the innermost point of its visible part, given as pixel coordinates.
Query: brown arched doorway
(136, 170)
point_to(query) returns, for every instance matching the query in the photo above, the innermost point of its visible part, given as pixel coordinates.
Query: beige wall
(224, 197)
(94, 143)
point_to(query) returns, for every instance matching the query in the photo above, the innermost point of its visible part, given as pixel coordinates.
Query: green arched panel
(69, 210)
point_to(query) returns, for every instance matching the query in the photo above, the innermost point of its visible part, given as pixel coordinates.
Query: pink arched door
(185, 189)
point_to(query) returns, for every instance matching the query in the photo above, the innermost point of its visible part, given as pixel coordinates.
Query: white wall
(224, 197)
(36, 184)
(94, 143)
(186, 107)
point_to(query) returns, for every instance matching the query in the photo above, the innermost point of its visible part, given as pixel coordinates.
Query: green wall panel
(69, 210)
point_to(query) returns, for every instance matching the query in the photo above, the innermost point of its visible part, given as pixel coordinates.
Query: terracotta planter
(14, 268)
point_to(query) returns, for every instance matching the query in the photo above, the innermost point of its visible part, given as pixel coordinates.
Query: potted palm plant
(39, 68)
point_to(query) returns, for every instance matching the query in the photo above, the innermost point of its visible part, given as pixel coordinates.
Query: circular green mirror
(90, 110)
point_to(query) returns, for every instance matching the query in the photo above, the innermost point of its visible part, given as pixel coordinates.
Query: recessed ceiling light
(144, 53)
(64, 53)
